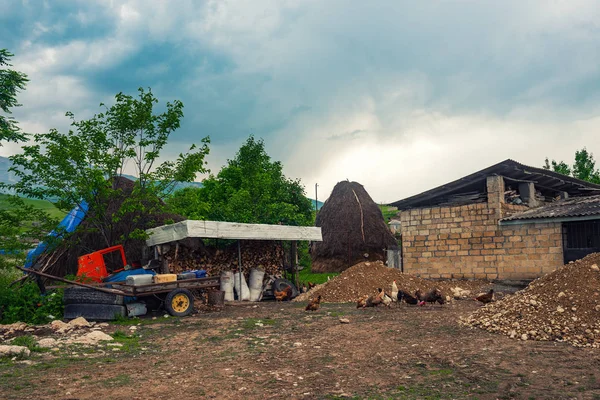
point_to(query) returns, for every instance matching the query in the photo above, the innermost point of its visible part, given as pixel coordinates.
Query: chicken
(486, 298)
(408, 299)
(314, 304)
(394, 293)
(362, 301)
(374, 301)
(303, 288)
(285, 294)
(387, 300)
(433, 296)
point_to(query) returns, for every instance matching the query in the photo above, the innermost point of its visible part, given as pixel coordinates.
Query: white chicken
(394, 291)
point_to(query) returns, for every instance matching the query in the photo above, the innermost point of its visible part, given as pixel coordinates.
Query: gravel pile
(365, 277)
(563, 306)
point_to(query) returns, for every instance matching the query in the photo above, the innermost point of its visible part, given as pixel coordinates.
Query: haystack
(353, 230)
(62, 260)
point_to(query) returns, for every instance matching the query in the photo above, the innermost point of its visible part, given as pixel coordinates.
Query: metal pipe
(240, 267)
(56, 278)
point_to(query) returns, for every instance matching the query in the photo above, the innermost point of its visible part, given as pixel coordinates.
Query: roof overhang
(230, 230)
(548, 220)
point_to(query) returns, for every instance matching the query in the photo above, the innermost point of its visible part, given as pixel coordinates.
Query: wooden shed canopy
(230, 230)
(548, 182)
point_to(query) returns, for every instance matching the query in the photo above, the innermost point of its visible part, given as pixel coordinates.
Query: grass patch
(306, 275)
(29, 342)
(253, 323)
(441, 372)
(39, 204)
(129, 343)
(119, 380)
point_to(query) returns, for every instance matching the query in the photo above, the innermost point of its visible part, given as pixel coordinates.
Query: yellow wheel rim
(180, 303)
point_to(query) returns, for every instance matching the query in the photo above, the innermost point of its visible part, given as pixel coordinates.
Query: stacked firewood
(269, 256)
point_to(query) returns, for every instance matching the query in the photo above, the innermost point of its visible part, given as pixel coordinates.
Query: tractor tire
(81, 295)
(179, 302)
(94, 312)
(280, 284)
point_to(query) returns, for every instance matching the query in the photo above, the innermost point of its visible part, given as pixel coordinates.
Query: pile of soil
(563, 305)
(365, 277)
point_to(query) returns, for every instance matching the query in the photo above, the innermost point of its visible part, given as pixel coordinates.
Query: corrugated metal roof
(230, 230)
(510, 170)
(574, 207)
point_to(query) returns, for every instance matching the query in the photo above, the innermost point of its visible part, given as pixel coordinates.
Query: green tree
(11, 83)
(584, 167)
(84, 164)
(20, 223)
(251, 188)
(561, 167)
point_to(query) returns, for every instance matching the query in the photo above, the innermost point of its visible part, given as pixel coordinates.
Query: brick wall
(467, 242)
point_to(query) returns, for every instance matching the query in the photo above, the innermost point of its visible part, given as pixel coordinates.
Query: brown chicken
(362, 301)
(314, 304)
(285, 294)
(374, 301)
(486, 298)
(433, 296)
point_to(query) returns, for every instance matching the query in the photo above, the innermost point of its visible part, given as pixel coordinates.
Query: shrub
(26, 304)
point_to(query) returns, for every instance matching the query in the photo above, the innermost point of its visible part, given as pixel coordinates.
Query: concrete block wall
(467, 242)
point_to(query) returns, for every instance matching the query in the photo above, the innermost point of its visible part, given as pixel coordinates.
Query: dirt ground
(274, 351)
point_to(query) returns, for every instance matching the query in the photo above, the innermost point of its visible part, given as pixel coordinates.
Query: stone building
(507, 222)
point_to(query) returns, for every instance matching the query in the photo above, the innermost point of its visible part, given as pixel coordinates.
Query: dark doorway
(580, 239)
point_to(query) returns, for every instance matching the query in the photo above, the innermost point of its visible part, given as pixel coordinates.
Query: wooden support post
(240, 268)
(294, 259)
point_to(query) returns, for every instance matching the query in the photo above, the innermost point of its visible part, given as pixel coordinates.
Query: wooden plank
(230, 230)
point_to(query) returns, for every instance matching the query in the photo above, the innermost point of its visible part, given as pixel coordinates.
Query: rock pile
(563, 305)
(76, 331)
(365, 277)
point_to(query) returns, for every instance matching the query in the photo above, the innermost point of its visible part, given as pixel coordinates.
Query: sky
(401, 96)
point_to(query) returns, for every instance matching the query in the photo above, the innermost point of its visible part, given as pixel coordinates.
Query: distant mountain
(178, 185)
(319, 203)
(5, 175)
(9, 177)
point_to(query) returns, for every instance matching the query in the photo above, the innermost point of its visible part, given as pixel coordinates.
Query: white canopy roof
(230, 230)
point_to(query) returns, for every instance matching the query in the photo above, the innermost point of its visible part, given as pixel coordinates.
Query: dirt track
(281, 351)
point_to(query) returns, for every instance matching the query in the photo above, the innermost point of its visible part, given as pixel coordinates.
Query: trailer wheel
(280, 284)
(179, 302)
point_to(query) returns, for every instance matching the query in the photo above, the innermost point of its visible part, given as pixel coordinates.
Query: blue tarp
(68, 224)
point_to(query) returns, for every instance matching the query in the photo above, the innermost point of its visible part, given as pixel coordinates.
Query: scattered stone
(560, 309)
(14, 327)
(595, 267)
(91, 338)
(297, 344)
(7, 351)
(79, 322)
(59, 326)
(524, 336)
(47, 343)
(344, 320)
